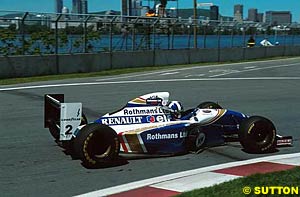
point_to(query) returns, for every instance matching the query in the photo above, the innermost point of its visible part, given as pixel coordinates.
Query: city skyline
(226, 8)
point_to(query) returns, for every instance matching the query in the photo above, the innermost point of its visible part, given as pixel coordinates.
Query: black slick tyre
(96, 145)
(209, 105)
(257, 135)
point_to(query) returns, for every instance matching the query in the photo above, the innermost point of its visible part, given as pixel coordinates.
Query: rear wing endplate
(64, 117)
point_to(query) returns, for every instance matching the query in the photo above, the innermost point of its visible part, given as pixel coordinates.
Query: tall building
(252, 14)
(124, 7)
(238, 12)
(131, 7)
(84, 7)
(214, 13)
(58, 6)
(76, 6)
(278, 17)
(79, 6)
(137, 7)
(260, 17)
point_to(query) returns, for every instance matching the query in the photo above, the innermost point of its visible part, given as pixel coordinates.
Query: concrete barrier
(26, 66)
(79, 63)
(275, 51)
(36, 65)
(203, 55)
(254, 53)
(231, 54)
(292, 50)
(171, 57)
(131, 59)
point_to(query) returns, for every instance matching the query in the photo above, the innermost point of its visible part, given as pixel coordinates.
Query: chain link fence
(47, 33)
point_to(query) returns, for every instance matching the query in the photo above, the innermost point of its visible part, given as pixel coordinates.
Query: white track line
(190, 68)
(255, 69)
(169, 73)
(155, 180)
(146, 81)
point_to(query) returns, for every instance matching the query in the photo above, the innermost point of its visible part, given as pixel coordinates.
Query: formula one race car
(150, 124)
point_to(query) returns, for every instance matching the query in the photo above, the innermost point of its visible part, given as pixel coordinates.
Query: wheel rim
(200, 140)
(97, 147)
(261, 132)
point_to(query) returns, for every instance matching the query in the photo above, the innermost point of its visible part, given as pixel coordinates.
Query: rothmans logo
(167, 136)
(142, 111)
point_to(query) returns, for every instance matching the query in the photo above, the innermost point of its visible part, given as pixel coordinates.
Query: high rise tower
(252, 14)
(214, 13)
(58, 6)
(76, 6)
(84, 6)
(124, 8)
(238, 12)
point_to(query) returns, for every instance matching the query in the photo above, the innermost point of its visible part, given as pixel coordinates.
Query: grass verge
(234, 188)
(112, 72)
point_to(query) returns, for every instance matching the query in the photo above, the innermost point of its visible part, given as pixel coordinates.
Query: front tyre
(257, 135)
(96, 145)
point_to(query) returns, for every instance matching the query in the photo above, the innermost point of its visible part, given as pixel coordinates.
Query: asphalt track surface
(33, 165)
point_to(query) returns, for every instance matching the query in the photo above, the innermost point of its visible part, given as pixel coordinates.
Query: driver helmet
(175, 108)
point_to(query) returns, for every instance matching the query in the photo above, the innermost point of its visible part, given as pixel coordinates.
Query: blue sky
(226, 6)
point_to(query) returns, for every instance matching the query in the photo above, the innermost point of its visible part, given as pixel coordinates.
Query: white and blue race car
(150, 124)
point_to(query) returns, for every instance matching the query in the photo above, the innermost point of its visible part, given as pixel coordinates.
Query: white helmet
(175, 108)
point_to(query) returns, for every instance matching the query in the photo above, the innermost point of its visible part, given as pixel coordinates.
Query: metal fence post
(56, 33)
(23, 31)
(195, 25)
(172, 33)
(204, 36)
(219, 44)
(232, 35)
(111, 34)
(85, 33)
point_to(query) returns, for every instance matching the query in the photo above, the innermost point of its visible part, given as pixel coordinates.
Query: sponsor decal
(122, 120)
(135, 111)
(70, 119)
(154, 100)
(166, 136)
(150, 119)
(153, 119)
(206, 111)
(271, 190)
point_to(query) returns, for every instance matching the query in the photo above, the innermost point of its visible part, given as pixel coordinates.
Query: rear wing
(63, 117)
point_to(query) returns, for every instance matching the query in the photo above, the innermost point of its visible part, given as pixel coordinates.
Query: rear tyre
(96, 145)
(257, 135)
(209, 105)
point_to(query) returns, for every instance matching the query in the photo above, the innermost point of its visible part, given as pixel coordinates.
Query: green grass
(110, 72)
(234, 188)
